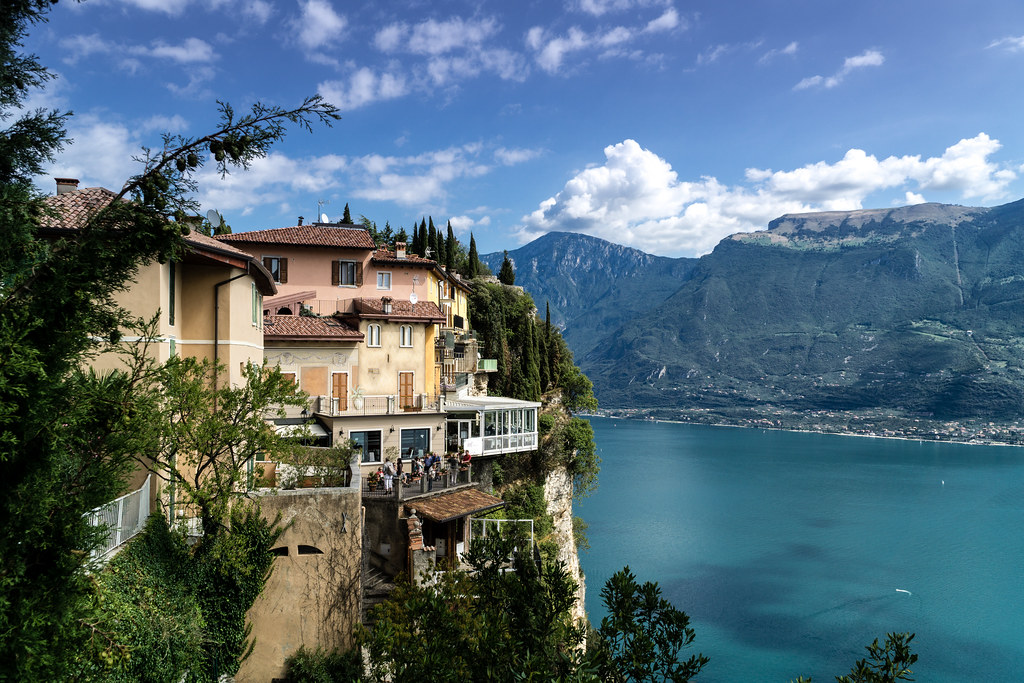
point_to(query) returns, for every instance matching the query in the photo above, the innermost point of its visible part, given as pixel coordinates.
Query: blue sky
(659, 124)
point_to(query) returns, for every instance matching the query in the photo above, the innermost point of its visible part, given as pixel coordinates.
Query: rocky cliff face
(558, 496)
(592, 285)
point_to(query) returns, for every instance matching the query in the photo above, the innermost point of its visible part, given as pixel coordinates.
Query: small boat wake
(900, 590)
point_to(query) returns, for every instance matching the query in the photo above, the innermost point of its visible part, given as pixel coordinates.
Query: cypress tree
(472, 270)
(423, 237)
(507, 274)
(439, 254)
(347, 217)
(451, 244)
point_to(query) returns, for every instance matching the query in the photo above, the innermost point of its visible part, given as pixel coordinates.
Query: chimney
(300, 220)
(65, 185)
(399, 249)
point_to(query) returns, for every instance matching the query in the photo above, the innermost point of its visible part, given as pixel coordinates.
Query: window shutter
(267, 264)
(335, 273)
(284, 270)
(359, 275)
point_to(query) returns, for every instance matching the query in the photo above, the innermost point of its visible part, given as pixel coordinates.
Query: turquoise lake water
(786, 549)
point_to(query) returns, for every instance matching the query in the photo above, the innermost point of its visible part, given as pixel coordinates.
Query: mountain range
(917, 309)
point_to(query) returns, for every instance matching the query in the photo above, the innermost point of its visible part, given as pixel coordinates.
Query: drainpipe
(216, 321)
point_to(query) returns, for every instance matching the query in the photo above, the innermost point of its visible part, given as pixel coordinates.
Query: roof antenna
(320, 203)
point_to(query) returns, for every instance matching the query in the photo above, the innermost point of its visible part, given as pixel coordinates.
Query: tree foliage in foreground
(68, 437)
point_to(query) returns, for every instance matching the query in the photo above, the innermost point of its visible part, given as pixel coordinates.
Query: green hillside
(918, 308)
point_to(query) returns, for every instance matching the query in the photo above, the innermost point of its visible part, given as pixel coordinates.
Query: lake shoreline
(934, 431)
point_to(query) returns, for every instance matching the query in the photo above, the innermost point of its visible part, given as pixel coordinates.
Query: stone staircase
(377, 586)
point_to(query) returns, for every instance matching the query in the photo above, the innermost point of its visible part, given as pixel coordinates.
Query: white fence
(124, 518)
(483, 527)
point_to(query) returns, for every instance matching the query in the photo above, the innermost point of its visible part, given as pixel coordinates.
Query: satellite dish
(413, 298)
(324, 218)
(214, 218)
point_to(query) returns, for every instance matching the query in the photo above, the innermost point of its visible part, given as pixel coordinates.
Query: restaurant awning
(449, 506)
(311, 430)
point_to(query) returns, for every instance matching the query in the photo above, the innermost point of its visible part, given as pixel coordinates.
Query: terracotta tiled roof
(308, 327)
(426, 311)
(449, 506)
(304, 236)
(385, 256)
(76, 207)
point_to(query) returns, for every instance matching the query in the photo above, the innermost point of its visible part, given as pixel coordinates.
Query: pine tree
(442, 248)
(346, 217)
(507, 274)
(432, 240)
(451, 247)
(472, 268)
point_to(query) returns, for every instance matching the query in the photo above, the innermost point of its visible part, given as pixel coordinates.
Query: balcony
(387, 404)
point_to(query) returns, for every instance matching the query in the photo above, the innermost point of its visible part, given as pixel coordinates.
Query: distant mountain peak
(830, 227)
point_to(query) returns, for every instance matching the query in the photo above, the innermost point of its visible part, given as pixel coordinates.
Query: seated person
(465, 459)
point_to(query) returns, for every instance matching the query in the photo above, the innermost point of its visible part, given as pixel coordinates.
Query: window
(415, 442)
(405, 335)
(347, 273)
(373, 335)
(257, 306)
(278, 268)
(383, 280)
(170, 294)
(368, 443)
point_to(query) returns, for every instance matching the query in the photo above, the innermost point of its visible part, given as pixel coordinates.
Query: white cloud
(867, 58)
(636, 198)
(191, 51)
(433, 37)
(257, 10)
(318, 25)
(789, 51)
(363, 87)
(99, 156)
(170, 7)
(666, 22)
(550, 51)
(1010, 43)
(511, 157)
(600, 7)
(85, 46)
(913, 198)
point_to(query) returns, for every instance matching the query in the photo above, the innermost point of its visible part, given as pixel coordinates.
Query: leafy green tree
(886, 663)
(67, 436)
(486, 624)
(507, 274)
(643, 634)
(214, 431)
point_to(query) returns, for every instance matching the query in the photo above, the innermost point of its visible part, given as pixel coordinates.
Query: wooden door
(405, 398)
(339, 390)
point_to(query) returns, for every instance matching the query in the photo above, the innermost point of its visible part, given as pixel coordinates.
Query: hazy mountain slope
(919, 308)
(593, 286)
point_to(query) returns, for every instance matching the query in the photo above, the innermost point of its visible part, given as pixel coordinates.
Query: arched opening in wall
(284, 311)
(310, 550)
(280, 551)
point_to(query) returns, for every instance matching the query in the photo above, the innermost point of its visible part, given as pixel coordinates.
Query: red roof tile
(424, 311)
(308, 327)
(449, 506)
(305, 236)
(75, 208)
(385, 256)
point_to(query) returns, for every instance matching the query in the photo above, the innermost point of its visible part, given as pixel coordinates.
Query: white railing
(482, 528)
(124, 518)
